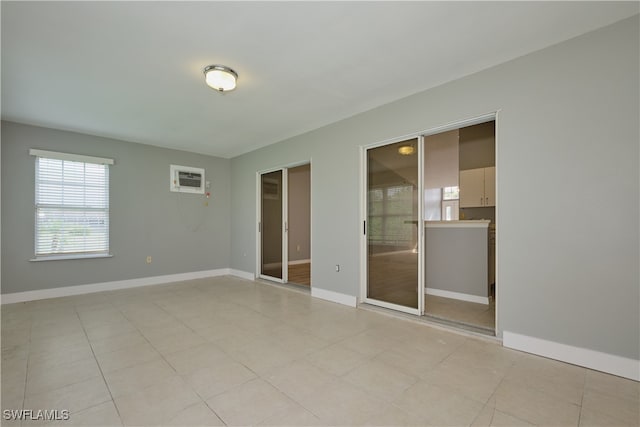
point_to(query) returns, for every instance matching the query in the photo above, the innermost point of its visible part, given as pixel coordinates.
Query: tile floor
(226, 351)
(469, 313)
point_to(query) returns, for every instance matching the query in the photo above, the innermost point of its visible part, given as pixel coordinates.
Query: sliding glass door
(392, 227)
(273, 225)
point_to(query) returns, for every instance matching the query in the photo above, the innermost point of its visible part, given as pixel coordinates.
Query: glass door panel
(392, 223)
(271, 222)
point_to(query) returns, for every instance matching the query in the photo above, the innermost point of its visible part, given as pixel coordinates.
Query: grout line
(98, 364)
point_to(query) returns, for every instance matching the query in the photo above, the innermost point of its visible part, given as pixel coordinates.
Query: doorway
(284, 225)
(429, 224)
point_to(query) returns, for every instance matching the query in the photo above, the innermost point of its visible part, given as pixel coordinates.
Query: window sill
(67, 257)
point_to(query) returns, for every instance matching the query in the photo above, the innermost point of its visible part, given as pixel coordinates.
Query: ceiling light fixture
(406, 150)
(220, 77)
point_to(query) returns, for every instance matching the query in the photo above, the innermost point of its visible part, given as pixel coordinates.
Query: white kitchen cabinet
(478, 187)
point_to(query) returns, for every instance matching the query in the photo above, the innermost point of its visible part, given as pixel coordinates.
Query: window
(451, 193)
(391, 209)
(71, 206)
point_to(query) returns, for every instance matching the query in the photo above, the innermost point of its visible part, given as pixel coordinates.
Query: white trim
(67, 257)
(470, 223)
(242, 274)
(392, 306)
(108, 286)
(332, 296)
(457, 295)
(300, 261)
(70, 157)
(605, 362)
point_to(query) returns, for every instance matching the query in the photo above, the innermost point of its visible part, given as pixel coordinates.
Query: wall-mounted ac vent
(185, 179)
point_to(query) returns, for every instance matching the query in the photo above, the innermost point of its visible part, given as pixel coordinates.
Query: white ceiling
(133, 70)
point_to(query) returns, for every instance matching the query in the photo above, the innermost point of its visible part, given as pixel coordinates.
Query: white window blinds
(72, 204)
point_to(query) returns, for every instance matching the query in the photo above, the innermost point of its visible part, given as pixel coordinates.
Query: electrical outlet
(337, 268)
(149, 260)
(298, 248)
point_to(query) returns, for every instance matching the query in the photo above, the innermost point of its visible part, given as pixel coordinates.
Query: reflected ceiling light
(220, 77)
(406, 150)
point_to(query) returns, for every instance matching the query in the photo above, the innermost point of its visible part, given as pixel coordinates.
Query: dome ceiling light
(406, 150)
(220, 77)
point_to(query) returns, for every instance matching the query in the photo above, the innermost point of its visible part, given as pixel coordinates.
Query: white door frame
(285, 219)
(493, 116)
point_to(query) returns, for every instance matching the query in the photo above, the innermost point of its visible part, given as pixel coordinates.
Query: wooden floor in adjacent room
(300, 274)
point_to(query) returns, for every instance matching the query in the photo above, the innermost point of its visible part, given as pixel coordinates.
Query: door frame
(285, 220)
(482, 118)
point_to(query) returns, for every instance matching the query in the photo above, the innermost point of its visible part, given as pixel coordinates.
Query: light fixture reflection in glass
(220, 77)
(406, 150)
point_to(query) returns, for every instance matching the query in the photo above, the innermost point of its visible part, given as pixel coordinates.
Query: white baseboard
(344, 299)
(300, 261)
(609, 363)
(457, 295)
(242, 274)
(108, 286)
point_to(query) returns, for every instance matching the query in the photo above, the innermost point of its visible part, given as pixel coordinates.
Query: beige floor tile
(262, 356)
(195, 415)
(13, 386)
(213, 380)
(43, 378)
(249, 404)
(156, 404)
(336, 359)
(557, 379)
(53, 344)
(294, 415)
(438, 406)
(490, 416)
(612, 385)
(181, 341)
(59, 356)
(380, 380)
(56, 329)
(410, 361)
(109, 330)
(126, 357)
(15, 338)
(624, 409)
(591, 418)
(534, 406)
(101, 317)
(296, 341)
(74, 397)
(473, 381)
(117, 342)
(194, 358)
(340, 403)
(394, 416)
(135, 378)
(16, 352)
(370, 343)
(298, 379)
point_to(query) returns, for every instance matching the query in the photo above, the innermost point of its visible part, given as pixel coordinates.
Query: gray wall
(300, 213)
(456, 260)
(568, 119)
(176, 229)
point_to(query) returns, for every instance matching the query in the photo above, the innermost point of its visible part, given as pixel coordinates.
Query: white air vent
(185, 179)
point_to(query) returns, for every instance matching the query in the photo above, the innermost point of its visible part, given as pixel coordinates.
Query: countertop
(471, 223)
